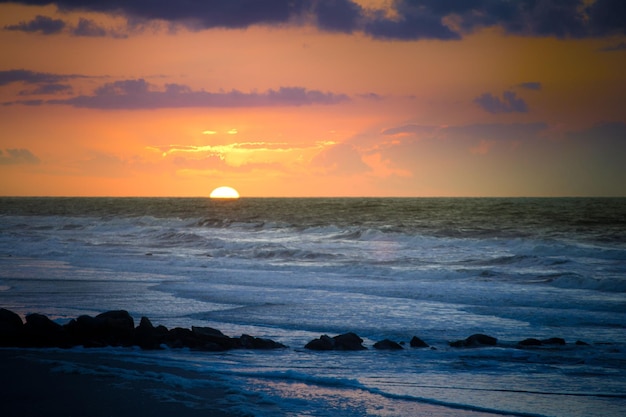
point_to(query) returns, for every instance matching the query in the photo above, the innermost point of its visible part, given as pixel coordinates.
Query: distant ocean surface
(291, 270)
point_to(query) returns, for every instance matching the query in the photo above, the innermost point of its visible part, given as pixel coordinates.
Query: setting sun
(224, 192)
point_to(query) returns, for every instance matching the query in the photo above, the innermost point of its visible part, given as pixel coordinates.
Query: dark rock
(179, 337)
(11, 328)
(251, 342)
(416, 342)
(387, 344)
(40, 331)
(348, 341)
(553, 341)
(116, 327)
(85, 330)
(581, 343)
(475, 340)
(324, 342)
(213, 340)
(147, 336)
(530, 342)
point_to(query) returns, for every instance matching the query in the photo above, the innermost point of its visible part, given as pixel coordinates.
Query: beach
(44, 382)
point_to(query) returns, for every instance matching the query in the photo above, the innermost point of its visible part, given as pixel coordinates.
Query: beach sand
(42, 383)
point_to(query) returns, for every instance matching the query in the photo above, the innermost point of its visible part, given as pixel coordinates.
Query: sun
(224, 192)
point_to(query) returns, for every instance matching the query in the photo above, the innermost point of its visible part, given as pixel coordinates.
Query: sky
(311, 98)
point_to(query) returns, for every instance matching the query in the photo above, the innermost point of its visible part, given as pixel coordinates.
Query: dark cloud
(32, 77)
(338, 15)
(17, 156)
(48, 89)
(531, 85)
(87, 27)
(509, 103)
(45, 25)
(409, 20)
(139, 94)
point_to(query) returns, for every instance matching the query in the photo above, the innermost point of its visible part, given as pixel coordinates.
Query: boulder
(416, 342)
(554, 341)
(117, 327)
(475, 340)
(530, 342)
(324, 342)
(346, 341)
(11, 328)
(213, 340)
(387, 344)
(179, 337)
(147, 336)
(251, 342)
(40, 331)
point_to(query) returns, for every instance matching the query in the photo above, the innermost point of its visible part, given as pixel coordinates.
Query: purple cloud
(509, 103)
(33, 77)
(412, 19)
(139, 94)
(43, 24)
(536, 86)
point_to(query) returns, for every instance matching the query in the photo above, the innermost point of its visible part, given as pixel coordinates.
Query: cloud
(48, 89)
(612, 48)
(45, 25)
(17, 156)
(87, 27)
(139, 94)
(32, 77)
(534, 85)
(509, 103)
(398, 20)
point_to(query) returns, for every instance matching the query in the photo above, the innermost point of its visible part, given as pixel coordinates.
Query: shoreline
(50, 382)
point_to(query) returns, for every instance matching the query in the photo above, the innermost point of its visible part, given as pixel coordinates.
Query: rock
(475, 340)
(147, 336)
(416, 342)
(530, 342)
(116, 327)
(85, 330)
(250, 342)
(581, 343)
(553, 341)
(40, 331)
(213, 340)
(324, 342)
(346, 341)
(11, 328)
(180, 338)
(387, 344)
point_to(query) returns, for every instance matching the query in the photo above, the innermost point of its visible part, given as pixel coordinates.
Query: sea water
(291, 270)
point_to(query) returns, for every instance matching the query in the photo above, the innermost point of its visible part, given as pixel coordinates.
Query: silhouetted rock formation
(475, 340)
(416, 342)
(116, 328)
(346, 341)
(387, 344)
(553, 341)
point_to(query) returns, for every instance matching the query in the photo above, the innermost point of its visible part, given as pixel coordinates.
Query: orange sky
(334, 98)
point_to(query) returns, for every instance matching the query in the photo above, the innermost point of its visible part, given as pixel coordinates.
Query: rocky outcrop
(387, 344)
(416, 342)
(346, 341)
(475, 340)
(116, 328)
(553, 341)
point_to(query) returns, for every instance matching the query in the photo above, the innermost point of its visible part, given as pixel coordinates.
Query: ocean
(292, 270)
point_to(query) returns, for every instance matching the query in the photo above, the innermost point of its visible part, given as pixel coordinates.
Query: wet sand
(40, 383)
